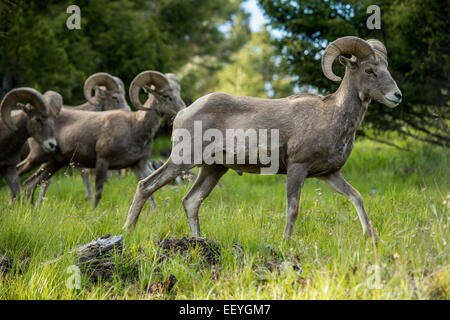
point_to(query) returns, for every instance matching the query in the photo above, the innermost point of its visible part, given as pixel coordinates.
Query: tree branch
(437, 143)
(386, 142)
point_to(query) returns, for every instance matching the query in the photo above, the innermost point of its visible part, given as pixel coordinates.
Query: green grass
(406, 195)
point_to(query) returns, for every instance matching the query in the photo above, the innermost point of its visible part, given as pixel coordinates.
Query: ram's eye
(371, 72)
(38, 120)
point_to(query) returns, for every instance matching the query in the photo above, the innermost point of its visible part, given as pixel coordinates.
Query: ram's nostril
(398, 95)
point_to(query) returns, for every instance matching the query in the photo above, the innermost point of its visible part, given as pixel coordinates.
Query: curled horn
(120, 83)
(99, 79)
(346, 45)
(146, 78)
(25, 96)
(55, 101)
(379, 47)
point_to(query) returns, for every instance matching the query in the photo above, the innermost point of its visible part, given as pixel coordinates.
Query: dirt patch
(210, 250)
(103, 258)
(271, 264)
(160, 288)
(7, 265)
(122, 267)
(101, 270)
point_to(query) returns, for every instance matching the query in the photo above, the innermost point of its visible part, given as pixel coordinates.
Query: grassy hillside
(406, 194)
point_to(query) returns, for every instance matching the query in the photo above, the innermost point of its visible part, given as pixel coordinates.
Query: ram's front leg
(44, 173)
(25, 166)
(43, 191)
(142, 170)
(30, 184)
(86, 176)
(101, 172)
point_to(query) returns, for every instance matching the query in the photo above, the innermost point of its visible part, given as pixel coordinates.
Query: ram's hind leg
(207, 179)
(337, 182)
(149, 185)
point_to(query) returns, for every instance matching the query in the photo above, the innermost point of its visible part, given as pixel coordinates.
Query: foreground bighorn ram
(34, 120)
(316, 133)
(114, 139)
(109, 95)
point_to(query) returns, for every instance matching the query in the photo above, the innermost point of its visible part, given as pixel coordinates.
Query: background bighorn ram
(316, 133)
(34, 120)
(109, 95)
(114, 139)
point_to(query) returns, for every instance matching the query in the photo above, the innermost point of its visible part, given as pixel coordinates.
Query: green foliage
(200, 75)
(30, 51)
(122, 37)
(416, 36)
(255, 71)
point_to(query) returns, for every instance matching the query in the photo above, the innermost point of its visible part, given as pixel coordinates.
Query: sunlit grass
(406, 195)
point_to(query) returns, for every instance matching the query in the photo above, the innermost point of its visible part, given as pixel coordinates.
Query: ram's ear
(349, 62)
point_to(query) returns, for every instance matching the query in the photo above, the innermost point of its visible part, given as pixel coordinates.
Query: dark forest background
(210, 46)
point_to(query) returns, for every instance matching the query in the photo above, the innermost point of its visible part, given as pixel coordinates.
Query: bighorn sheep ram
(316, 133)
(109, 95)
(35, 119)
(114, 139)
